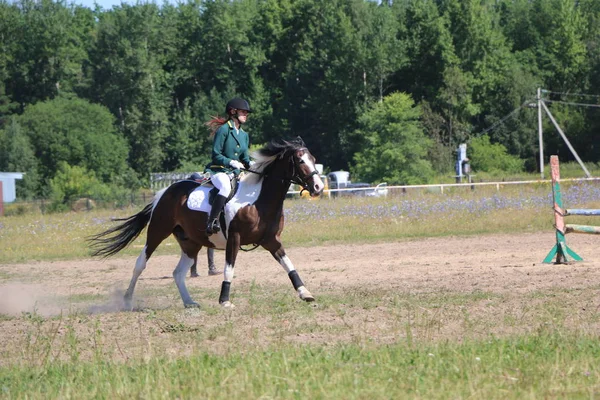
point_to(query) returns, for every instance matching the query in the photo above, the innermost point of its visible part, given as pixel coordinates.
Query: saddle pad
(198, 199)
(245, 195)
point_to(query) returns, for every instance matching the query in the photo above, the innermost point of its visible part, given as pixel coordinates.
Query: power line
(572, 94)
(509, 115)
(573, 104)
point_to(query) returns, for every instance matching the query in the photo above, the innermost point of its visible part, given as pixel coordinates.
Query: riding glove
(236, 164)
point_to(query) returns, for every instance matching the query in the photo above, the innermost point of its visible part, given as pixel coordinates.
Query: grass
(548, 365)
(33, 237)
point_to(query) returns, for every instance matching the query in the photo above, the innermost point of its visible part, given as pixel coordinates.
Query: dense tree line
(387, 89)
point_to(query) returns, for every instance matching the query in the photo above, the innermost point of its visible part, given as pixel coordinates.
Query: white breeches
(222, 182)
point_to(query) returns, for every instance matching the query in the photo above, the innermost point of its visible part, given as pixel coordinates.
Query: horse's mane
(264, 157)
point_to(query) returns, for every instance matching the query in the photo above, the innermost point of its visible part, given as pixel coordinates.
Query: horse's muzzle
(317, 186)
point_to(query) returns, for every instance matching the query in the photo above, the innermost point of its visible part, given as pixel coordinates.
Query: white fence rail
(442, 186)
(162, 180)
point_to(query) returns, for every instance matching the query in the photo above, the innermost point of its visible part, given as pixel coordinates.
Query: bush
(492, 157)
(72, 183)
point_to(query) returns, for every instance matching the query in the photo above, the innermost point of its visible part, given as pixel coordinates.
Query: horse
(254, 216)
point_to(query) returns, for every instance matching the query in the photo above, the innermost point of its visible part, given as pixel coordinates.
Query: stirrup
(213, 227)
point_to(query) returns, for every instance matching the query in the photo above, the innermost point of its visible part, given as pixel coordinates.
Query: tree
(53, 46)
(129, 78)
(386, 50)
(562, 51)
(322, 81)
(9, 23)
(394, 144)
(17, 155)
(76, 132)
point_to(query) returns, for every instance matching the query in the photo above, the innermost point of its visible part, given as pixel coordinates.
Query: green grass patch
(545, 365)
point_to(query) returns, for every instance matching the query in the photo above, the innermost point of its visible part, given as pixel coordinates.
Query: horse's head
(290, 161)
(304, 172)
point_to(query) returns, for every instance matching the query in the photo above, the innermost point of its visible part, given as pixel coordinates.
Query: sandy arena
(507, 269)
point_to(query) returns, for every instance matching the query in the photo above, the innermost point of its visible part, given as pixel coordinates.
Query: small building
(7, 179)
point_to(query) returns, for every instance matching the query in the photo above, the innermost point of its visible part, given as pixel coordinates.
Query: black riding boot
(213, 220)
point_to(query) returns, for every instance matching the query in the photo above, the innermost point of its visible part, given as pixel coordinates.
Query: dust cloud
(18, 298)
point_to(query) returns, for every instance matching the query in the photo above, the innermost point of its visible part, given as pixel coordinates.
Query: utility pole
(540, 136)
(562, 134)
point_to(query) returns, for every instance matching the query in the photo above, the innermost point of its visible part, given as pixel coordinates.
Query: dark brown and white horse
(253, 216)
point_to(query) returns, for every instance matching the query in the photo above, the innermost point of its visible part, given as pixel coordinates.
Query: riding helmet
(238, 104)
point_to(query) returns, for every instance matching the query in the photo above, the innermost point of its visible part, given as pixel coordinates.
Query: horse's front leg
(286, 263)
(233, 245)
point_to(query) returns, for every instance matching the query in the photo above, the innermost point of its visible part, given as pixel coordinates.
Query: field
(450, 316)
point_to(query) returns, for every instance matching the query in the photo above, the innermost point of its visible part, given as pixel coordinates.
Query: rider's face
(242, 115)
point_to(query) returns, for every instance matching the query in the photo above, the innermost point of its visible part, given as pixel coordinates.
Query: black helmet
(238, 104)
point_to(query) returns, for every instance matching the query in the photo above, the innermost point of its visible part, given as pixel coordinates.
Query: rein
(295, 178)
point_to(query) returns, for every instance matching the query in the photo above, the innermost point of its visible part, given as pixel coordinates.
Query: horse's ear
(300, 141)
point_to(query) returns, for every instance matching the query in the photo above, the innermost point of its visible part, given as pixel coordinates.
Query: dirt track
(506, 266)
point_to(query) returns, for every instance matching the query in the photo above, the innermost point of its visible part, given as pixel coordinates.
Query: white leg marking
(140, 265)
(228, 272)
(303, 292)
(184, 265)
(286, 263)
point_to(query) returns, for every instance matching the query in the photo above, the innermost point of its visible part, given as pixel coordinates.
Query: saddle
(204, 180)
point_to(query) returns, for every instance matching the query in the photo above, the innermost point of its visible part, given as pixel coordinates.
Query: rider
(229, 155)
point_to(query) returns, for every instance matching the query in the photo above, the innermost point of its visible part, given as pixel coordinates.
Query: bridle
(299, 180)
(294, 177)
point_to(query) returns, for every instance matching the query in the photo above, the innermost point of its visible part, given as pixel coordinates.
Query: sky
(108, 4)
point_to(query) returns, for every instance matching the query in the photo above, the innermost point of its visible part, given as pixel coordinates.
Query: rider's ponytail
(214, 124)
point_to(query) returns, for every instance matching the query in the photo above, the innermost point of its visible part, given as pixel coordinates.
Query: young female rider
(229, 155)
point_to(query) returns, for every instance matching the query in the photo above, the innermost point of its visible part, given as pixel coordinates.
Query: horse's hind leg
(140, 265)
(286, 263)
(154, 238)
(185, 262)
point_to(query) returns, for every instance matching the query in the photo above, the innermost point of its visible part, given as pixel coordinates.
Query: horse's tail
(113, 240)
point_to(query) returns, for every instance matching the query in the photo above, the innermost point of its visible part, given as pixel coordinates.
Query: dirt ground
(381, 288)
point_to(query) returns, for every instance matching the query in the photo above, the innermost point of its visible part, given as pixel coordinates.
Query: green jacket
(229, 145)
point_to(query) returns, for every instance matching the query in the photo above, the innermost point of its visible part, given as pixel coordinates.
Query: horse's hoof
(193, 304)
(305, 294)
(227, 304)
(214, 272)
(127, 306)
(194, 275)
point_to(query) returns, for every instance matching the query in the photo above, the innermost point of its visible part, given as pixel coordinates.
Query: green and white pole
(562, 252)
